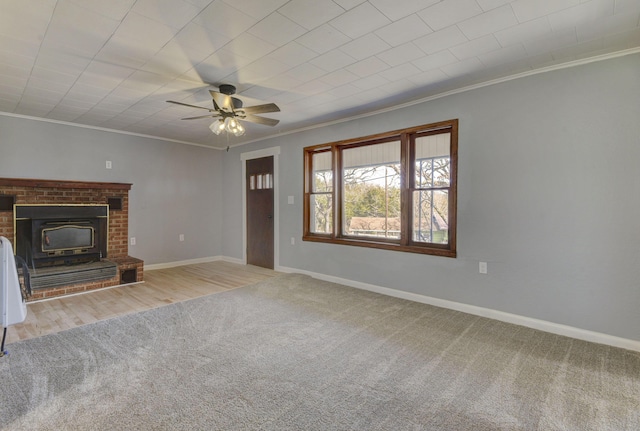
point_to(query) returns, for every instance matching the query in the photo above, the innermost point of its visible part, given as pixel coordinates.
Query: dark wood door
(260, 211)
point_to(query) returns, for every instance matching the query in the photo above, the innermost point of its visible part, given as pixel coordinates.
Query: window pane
(321, 218)
(433, 165)
(322, 174)
(431, 216)
(371, 190)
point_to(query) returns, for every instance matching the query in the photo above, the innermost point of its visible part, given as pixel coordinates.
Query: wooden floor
(160, 287)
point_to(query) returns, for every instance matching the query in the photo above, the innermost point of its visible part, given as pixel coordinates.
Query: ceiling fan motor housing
(227, 89)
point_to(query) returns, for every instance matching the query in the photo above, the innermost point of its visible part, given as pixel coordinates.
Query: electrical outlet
(482, 267)
(181, 237)
(290, 200)
(293, 241)
(108, 164)
(133, 240)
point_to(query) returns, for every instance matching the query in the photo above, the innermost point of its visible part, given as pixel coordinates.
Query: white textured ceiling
(113, 64)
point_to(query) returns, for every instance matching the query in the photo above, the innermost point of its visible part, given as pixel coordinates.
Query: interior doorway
(259, 192)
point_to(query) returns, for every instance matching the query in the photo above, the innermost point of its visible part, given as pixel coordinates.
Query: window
(394, 191)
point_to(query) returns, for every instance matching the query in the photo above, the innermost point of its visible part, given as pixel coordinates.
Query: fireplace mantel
(62, 184)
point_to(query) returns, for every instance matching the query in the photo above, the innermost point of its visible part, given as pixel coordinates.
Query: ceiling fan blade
(260, 120)
(201, 116)
(261, 109)
(191, 106)
(222, 101)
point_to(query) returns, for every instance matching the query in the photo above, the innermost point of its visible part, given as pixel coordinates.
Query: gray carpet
(295, 353)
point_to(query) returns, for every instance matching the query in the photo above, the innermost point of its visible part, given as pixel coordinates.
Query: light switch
(482, 267)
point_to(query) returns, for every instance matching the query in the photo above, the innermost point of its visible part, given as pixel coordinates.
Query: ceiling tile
(344, 94)
(339, 77)
(11, 45)
(104, 82)
(608, 25)
(257, 9)
(141, 31)
(251, 47)
(373, 81)
(435, 61)
(368, 67)
(396, 9)
(33, 108)
(198, 41)
(527, 10)
(62, 62)
(401, 54)
(137, 40)
(323, 39)
(449, 12)
(404, 30)
(359, 21)
(463, 67)
(508, 54)
(38, 83)
(313, 87)
(101, 70)
(220, 64)
(173, 13)
(287, 29)
(45, 95)
(224, 19)
(400, 72)
(627, 6)
(364, 46)
(584, 14)
(292, 54)
(172, 60)
(311, 13)
(488, 22)
(23, 20)
(492, 4)
(281, 82)
(475, 47)
(305, 72)
(333, 60)
(86, 93)
(258, 71)
(114, 9)
(441, 39)
(533, 29)
(348, 4)
(21, 64)
(10, 85)
(551, 42)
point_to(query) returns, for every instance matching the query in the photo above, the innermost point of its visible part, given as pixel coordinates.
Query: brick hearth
(51, 192)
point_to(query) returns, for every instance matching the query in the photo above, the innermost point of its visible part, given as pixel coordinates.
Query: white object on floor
(12, 305)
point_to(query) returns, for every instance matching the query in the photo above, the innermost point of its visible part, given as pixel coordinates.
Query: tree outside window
(394, 191)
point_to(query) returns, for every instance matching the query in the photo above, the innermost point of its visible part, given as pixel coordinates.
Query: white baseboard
(181, 263)
(192, 262)
(542, 325)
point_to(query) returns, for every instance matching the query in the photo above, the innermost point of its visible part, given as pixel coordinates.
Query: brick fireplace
(33, 192)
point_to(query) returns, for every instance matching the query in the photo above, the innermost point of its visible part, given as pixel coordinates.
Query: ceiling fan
(228, 110)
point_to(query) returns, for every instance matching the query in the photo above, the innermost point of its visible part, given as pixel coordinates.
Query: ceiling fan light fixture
(217, 127)
(229, 124)
(234, 126)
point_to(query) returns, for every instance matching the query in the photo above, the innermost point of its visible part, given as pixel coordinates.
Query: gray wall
(548, 195)
(176, 187)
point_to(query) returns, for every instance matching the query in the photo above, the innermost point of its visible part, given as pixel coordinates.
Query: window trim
(407, 184)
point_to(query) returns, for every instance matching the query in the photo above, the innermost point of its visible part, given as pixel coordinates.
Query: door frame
(258, 154)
